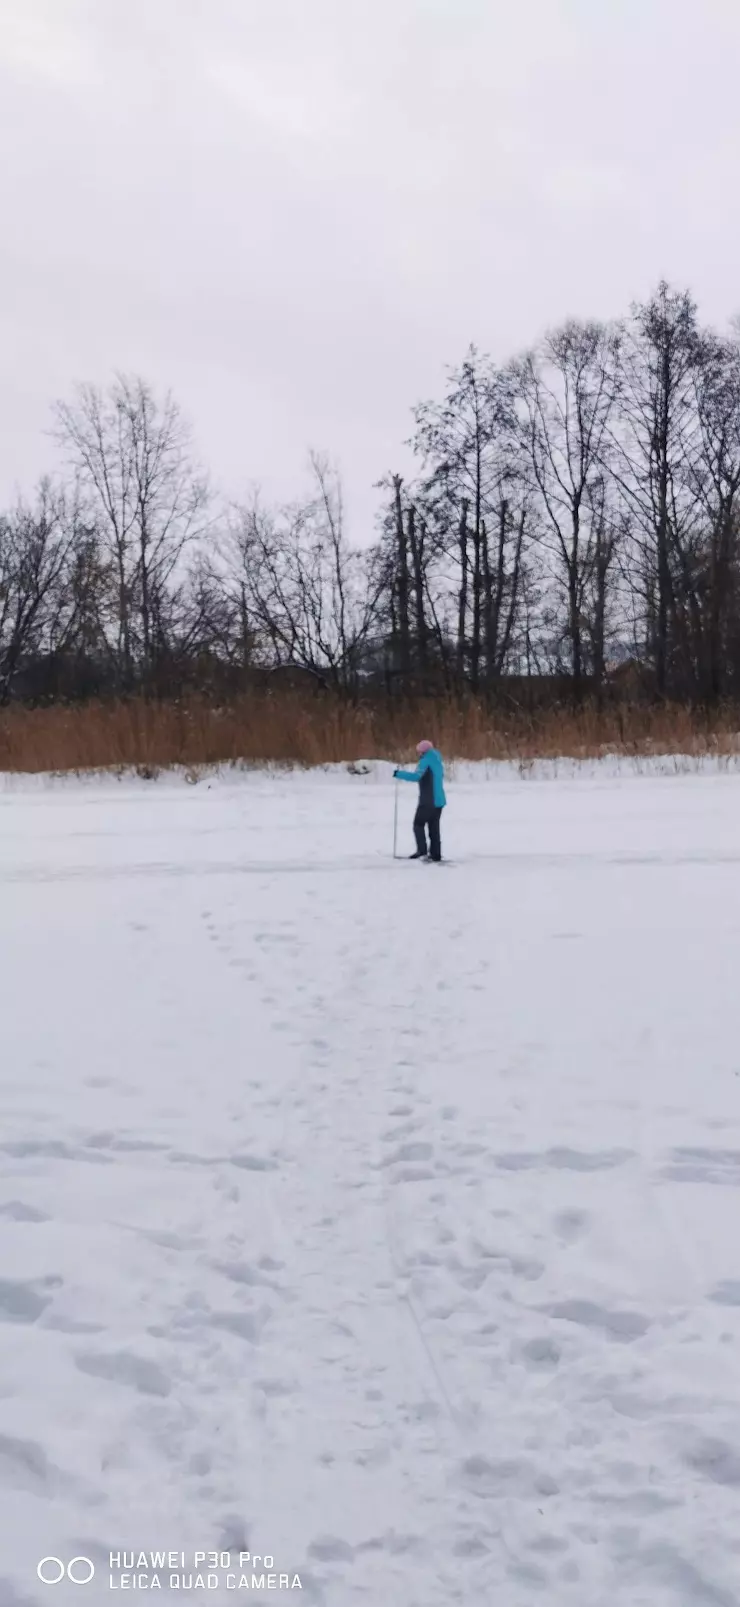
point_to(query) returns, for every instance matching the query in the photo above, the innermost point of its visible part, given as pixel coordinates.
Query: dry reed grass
(292, 729)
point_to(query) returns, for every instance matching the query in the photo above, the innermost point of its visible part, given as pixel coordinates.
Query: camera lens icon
(79, 1570)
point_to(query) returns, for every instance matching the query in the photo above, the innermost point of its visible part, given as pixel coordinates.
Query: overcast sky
(297, 212)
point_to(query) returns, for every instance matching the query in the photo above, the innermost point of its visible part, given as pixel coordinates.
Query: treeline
(572, 525)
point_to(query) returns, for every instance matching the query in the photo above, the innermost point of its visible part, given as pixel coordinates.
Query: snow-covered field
(380, 1218)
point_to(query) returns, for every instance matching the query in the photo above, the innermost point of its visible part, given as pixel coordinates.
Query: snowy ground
(377, 1217)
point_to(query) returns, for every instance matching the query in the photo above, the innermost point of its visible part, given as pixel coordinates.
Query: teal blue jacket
(429, 773)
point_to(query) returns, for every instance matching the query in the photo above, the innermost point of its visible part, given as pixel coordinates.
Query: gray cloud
(297, 212)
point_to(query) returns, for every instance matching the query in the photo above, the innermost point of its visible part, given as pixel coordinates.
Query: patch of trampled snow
(371, 1216)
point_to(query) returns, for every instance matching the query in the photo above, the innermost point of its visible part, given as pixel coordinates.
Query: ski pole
(395, 817)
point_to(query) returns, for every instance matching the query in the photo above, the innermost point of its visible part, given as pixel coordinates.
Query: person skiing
(429, 773)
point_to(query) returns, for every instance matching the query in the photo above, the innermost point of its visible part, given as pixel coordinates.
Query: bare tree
(468, 450)
(402, 579)
(453, 440)
(608, 531)
(714, 477)
(655, 438)
(131, 455)
(35, 548)
(418, 547)
(309, 597)
(579, 505)
(568, 391)
(502, 580)
(404, 560)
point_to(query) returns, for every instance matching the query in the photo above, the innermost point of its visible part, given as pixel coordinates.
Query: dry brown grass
(293, 729)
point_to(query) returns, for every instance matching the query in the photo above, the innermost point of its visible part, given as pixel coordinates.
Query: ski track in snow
(379, 1219)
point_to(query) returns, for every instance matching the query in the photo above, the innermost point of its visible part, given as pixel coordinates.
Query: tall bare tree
(466, 445)
(401, 568)
(309, 597)
(608, 535)
(655, 440)
(714, 477)
(502, 576)
(131, 455)
(568, 391)
(36, 546)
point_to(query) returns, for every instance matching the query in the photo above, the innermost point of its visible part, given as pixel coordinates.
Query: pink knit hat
(424, 747)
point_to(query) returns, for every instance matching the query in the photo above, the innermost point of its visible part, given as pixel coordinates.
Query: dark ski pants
(428, 817)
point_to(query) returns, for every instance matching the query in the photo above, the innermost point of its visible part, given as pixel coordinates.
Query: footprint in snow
(329, 1548)
(24, 1465)
(123, 1367)
(571, 1225)
(10, 1596)
(541, 1355)
(254, 1163)
(624, 1326)
(726, 1294)
(413, 1174)
(409, 1152)
(695, 1165)
(485, 1477)
(242, 1273)
(715, 1461)
(247, 1325)
(17, 1211)
(563, 1159)
(24, 1302)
